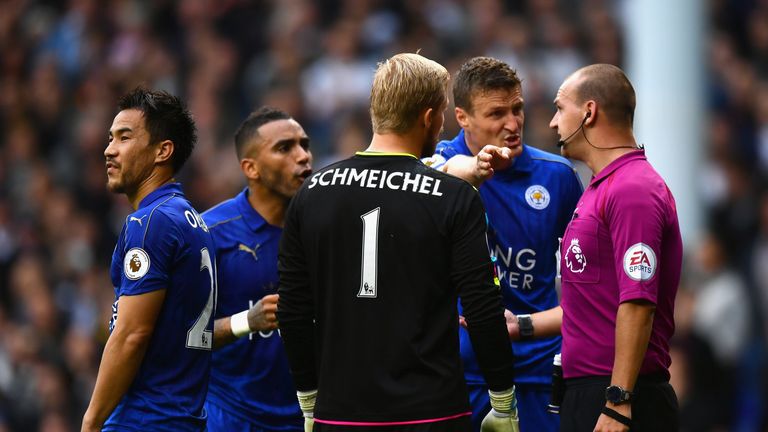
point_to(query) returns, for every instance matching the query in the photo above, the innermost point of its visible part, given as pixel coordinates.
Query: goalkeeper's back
(375, 250)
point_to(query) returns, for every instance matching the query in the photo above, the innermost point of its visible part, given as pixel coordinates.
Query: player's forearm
(259, 317)
(299, 342)
(634, 322)
(493, 351)
(296, 315)
(222, 333)
(547, 323)
(464, 167)
(122, 357)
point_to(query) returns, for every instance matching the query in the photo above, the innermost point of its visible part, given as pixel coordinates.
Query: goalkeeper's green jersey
(375, 251)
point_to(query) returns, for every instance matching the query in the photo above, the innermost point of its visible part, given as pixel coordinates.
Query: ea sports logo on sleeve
(640, 262)
(135, 263)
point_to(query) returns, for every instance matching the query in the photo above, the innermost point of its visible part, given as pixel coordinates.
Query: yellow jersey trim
(370, 153)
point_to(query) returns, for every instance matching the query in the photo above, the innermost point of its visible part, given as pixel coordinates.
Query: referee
(621, 259)
(375, 251)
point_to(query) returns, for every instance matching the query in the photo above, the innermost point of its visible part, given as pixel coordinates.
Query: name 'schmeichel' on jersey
(377, 179)
(375, 253)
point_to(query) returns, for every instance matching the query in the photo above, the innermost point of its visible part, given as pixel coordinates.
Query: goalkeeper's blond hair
(405, 85)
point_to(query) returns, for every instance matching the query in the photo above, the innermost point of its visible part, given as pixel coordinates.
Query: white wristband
(239, 324)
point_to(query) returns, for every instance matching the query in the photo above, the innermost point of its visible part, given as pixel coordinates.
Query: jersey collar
(166, 189)
(616, 164)
(251, 217)
(522, 163)
(373, 153)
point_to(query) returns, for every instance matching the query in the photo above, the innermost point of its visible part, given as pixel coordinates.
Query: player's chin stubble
(115, 186)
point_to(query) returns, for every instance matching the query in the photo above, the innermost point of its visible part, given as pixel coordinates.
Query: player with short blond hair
(375, 252)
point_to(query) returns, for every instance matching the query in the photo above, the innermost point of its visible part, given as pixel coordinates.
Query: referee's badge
(135, 263)
(575, 259)
(537, 197)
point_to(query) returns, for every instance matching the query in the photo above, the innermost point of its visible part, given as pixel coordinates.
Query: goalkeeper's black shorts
(460, 424)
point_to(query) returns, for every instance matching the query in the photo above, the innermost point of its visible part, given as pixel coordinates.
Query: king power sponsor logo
(515, 269)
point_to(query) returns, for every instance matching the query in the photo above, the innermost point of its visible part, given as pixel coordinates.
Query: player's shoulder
(549, 160)
(450, 148)
(222, 213)
(173, 209)
(161, 211)
(174, 213)
(446, 146)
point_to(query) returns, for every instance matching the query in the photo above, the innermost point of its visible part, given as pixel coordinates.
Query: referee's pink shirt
(623, 243)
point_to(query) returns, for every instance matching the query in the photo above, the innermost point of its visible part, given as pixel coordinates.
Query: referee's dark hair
(481, 74)
(166, 118)
(249, 129)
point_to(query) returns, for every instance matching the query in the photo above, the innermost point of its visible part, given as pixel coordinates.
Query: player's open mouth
(512, 140)
(304, 174)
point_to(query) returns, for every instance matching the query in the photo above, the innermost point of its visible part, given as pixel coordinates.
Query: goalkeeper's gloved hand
(307, 405)
(503, 415)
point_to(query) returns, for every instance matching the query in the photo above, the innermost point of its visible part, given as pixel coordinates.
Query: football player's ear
(164, 151)
(250, 168)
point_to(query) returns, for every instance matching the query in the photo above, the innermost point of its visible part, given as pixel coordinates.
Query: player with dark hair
(375, 251)
(529, 197)
(156, 363)
(621, 263)
(251, 387)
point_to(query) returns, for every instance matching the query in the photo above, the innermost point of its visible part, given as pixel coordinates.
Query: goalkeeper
(375, 251)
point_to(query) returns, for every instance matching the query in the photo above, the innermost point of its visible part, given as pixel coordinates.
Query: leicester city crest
(537, 197)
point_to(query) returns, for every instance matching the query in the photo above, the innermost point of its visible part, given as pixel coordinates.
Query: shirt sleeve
(443, 152)
(472, 272)
(149, 255)
(635, 215)
(296, 308)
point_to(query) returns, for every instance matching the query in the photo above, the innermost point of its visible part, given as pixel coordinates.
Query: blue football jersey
(166, 245)
(528, 207)
(250, 378)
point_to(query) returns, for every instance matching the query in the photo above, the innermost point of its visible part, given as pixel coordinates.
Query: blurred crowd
(63, 64)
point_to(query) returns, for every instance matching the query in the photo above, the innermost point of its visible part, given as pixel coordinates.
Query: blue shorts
(220, 420)
(532, 401)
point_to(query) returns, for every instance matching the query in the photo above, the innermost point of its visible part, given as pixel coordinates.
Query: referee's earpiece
(588, 115)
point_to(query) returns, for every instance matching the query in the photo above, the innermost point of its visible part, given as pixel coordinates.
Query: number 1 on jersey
(370, 253)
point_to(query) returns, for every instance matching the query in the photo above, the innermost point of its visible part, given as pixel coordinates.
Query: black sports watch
(617, 395)
(525, 324)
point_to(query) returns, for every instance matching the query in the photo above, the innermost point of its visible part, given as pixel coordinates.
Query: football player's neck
(473, 147)
(407, 142)
(156, 179)
(268, 203)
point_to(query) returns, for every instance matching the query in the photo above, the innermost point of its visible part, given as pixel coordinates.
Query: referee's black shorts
(654, 404)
